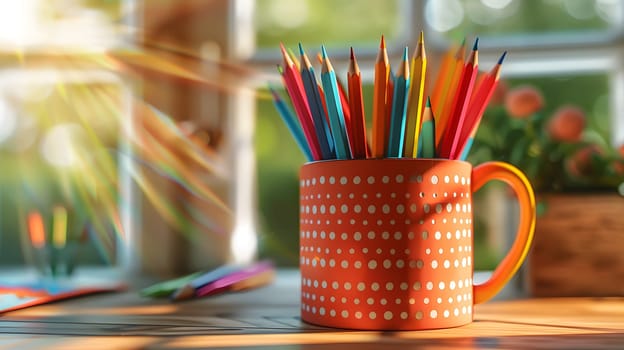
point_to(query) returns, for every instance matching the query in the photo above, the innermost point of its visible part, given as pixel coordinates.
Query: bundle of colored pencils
(329, 121)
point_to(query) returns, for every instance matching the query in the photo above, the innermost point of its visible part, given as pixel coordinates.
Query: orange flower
(580, 164)
(567, 124)
(523, 101)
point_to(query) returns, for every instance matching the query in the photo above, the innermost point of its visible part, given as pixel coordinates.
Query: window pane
(457, 18)
(328, 22)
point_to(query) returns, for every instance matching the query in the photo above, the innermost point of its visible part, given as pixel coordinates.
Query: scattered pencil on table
(226, 278)
(329, 122)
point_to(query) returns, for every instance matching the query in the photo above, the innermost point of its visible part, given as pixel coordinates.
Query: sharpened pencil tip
(280, 69)
(421, 38)
(475, 47)
(382, 45)
(428, 105)
(351, 54)
(301, 52)
(283, 49)
(405, 54)
(502, 58)
(323, 52)
(274, 92)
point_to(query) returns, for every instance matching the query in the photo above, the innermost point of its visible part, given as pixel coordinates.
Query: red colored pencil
(478, 104)
(356, 105)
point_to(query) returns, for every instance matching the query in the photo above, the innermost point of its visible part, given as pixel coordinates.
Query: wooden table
(267, 318)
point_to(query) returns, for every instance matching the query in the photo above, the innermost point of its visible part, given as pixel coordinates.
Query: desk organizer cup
(387, 244)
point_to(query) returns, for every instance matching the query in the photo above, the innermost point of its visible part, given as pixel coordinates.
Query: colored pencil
(344, 101)
(319, 117)
(189, 290)
(443, 78)
(427, 132)
(389, 99)
(334, 108)
(234, 278)
(444, 105)
(59, 227)
(450, 143)
(291, 124)
(293, 57)
(477, 107)
(396, 139)
(356, 105)
(418, 71)
(295, 89)
(332, 120)
(346, 110)
(468, 144)
(382, 70)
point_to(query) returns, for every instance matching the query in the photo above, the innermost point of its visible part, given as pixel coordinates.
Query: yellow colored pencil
(415, 102)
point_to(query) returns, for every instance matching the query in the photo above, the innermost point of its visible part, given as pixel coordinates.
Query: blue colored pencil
(291, 123)
(398, 118)
(316, 107)
(466, 150)
(334, 108)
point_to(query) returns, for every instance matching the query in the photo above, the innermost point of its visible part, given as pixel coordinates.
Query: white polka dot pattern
(382, 259)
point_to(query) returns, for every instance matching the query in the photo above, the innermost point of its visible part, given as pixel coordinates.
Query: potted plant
(579, 182)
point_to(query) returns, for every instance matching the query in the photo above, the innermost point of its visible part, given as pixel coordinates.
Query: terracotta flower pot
(578, 249)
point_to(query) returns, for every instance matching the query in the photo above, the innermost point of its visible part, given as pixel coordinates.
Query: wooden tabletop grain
(267, 318)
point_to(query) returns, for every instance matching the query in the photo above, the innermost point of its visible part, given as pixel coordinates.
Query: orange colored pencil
(456, 122)
(444, 105)
(36, 230)
(356, 105)
(380, 120)
(442, 79)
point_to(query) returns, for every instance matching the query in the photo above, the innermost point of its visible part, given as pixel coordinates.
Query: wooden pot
(578, 249)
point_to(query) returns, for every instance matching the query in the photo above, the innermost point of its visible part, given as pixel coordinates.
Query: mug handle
(511, 262)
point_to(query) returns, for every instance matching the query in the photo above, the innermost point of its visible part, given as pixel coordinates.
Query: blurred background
(149, 122)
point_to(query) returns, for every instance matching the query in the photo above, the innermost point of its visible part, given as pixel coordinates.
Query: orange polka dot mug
(387, 244)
